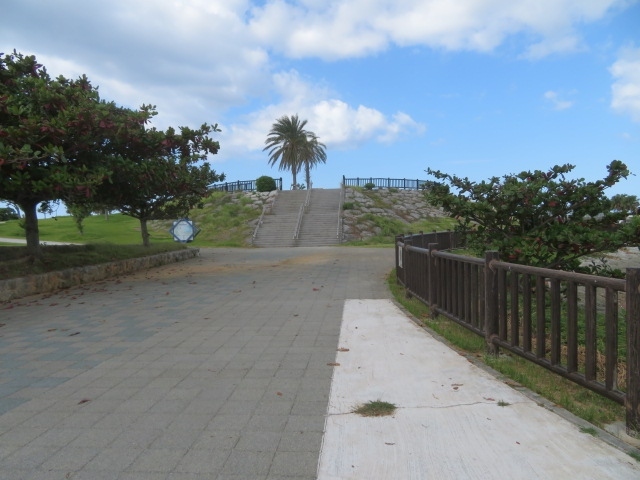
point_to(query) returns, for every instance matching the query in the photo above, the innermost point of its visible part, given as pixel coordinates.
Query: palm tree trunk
(307, 172)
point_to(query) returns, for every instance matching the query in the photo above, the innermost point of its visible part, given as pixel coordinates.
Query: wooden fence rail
(583, 327)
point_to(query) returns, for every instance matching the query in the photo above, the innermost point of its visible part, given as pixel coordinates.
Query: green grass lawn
(117, 229)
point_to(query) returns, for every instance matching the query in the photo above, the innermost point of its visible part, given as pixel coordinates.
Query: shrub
(348, 205)
(265, 184)
(369, 186)
(8, 214)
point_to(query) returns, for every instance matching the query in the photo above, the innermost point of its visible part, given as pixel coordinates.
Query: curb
(14, 288)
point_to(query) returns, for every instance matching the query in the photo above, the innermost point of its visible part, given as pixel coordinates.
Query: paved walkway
(214, 366)
(221, 368)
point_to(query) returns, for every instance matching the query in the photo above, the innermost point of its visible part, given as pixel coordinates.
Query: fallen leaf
(343, 349)
(73, 334)
(389, 443)
(333, 364)
(84, 400)
(279, 394)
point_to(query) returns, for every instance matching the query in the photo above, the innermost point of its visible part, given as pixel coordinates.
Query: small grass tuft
(376, 408)
(589, 431)
(635, 456)
(502, 403)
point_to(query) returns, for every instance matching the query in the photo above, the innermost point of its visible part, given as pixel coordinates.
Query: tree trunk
(145, 232)
(307, 171)
(295, 180)
(32, 234)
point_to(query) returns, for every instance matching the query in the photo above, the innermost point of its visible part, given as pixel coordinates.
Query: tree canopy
(60, 142)
(538, 218)
(159, 175)
(294, 147)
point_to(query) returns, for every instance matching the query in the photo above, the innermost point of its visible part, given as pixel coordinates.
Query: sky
(474, 88)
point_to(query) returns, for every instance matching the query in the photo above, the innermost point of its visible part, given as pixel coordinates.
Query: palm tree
(293, 146)
(313, 153)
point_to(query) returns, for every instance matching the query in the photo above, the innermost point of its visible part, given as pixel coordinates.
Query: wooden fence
(241, 186)
(403, 183)
(583, 327)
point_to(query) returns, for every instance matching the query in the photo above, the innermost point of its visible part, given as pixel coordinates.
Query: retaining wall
(50, 282)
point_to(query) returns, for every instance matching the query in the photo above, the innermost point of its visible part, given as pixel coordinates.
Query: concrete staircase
(278, 227)
(319, 223)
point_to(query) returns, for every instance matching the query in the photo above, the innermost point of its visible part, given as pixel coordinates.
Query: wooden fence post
(432, 276)
(398, 259)
(490, 301)
(632, 397)
(408, 242)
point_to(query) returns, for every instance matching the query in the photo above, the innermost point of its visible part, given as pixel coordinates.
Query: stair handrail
(339, 231)
(307, 200)
(299, 222)
(266, 209)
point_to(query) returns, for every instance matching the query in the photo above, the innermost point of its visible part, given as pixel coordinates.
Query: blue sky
(476, 88)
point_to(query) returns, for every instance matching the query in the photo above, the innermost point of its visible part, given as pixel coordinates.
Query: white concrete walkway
(449, 423)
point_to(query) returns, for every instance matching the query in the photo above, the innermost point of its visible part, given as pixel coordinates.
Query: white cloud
(349, 28)
(337, 124)
(556, 101)
(625, 91)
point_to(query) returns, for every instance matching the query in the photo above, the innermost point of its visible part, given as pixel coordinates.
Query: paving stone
(222, 378)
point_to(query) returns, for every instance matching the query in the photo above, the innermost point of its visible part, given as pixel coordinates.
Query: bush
(348, 205)
(369, 186)
(265, 184)
(8, 214)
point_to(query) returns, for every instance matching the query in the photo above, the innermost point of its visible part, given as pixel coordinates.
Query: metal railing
(585, 328)
(296, 232)
(307, 200)
(339, 230)
(241, 186)
(266, 209)
(401, 183)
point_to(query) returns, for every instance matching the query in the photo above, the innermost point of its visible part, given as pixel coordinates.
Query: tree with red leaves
(55, 135)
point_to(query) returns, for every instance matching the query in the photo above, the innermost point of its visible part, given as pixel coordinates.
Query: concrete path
(22, 241)
(453, 420)
(221, 367)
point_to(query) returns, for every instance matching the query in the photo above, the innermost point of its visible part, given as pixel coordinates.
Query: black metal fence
(403, 183)
(241, 186)
(583, 327)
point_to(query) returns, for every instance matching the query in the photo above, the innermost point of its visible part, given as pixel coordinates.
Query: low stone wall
(50, 282)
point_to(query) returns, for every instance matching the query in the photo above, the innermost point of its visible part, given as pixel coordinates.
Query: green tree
(624, 203)
(537, 218)
(292, 146)
(159, 175)
(54, 136)
(313, 153)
